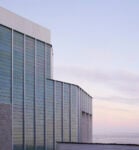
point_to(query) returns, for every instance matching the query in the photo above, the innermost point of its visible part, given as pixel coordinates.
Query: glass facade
(72, 111)
(23, 72)
(44, 110)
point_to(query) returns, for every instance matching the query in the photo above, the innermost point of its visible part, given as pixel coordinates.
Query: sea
(128, 138)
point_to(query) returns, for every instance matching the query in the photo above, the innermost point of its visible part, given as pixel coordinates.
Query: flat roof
(23, 25)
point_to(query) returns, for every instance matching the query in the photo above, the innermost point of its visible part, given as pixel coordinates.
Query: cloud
(119, 99)
(102, 106)
(123, 82)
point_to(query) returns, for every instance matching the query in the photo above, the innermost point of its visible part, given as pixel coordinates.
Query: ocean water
(128, 138)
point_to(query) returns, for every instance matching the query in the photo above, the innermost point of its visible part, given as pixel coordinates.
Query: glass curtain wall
(44, 110)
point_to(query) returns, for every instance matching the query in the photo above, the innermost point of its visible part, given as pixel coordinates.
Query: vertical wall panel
(59, 109)
(39, 95)
(74, 114)
(49, 115)
(29, 92)
(66, 109)
(48, 62)
(5, 64)
(18, 89)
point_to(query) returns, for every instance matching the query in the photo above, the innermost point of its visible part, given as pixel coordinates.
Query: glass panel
(58, 96)
(74, 114)
(29, 92)
(18, 90)
(39, 93)
(5, 64)
(49, 114)
(66, 109)
(48, 62)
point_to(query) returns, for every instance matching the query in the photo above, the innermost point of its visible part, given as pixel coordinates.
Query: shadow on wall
(5, 127)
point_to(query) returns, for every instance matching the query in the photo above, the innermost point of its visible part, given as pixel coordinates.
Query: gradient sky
(96, 45)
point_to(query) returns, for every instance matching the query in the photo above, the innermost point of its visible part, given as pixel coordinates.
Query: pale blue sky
(96, 45)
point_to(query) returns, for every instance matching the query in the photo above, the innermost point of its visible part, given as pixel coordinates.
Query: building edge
(21, 24)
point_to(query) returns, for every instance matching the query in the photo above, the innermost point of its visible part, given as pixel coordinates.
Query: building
(35, 110)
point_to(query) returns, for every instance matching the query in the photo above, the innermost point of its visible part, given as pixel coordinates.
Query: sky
(96, 45)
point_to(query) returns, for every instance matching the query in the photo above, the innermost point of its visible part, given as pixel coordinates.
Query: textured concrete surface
(73, 146)
(5, 127)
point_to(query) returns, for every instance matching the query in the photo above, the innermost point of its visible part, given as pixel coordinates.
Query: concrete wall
(5, 127)
(73, 146)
